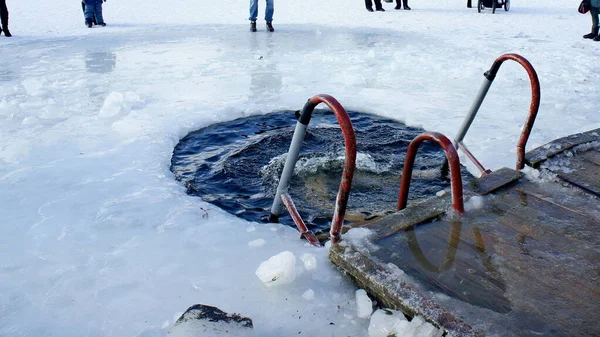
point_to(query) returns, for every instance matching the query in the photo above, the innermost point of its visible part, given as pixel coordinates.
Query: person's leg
(253, 10)
(269, 11)
(378, 6)
(594, 33)
(369, 5)
(398, 4)
(405, 3)
(88, 14)
(98, 13)
(4, 18)
(595, 22)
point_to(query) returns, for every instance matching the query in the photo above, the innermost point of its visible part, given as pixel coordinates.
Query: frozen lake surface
(97, 238)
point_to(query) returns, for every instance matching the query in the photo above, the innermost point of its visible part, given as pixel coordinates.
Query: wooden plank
(415, 213)
(538, 155)
(593, 156)
(493, 181)
(392, 290)
(583, 174)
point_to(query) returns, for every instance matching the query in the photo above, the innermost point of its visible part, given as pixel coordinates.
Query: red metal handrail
(453, 162)
(349, 164)
(341, 201)
(533, 109)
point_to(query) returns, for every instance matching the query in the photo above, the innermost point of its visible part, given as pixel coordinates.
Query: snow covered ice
(96, 236)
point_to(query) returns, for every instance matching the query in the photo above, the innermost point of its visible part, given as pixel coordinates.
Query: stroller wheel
(480, 6)
(506, 5)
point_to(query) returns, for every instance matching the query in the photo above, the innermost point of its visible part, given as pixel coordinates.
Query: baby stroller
(493, 4)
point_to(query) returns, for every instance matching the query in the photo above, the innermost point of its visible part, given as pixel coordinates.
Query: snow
(96, 236)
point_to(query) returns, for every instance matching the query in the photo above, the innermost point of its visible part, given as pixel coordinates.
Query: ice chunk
(308, 295)
(419, 328)
(256, 243)
(475, 202)
(440, 193)
(309, 261)
(278, 270)
(119, 103)
(364, 305)
(384, 321)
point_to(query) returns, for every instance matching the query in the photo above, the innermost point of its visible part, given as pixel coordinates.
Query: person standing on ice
(268, 15)
(83, 8)
(594, 11)
(4, 19)
(399, 5)
(93, 9)
(378, 7)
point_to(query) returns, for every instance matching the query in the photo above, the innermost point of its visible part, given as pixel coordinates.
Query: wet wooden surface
(525, 264)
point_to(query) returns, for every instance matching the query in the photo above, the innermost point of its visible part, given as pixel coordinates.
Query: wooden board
(528, 262)
(538, 155)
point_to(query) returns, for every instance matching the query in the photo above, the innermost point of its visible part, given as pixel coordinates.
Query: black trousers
(368, 4)
(3, 13)
(404, 2)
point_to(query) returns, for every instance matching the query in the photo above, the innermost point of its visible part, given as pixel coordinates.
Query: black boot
(88, 23)
(252, 26)
(597, 38)
(6, 31)
(398, 5)
(270, 27)
(593, 34)
(405, 3)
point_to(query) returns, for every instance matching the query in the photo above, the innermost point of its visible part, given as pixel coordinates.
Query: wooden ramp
(524, 259)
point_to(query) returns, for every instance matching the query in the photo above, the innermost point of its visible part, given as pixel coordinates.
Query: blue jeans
(268, 12)
(93, 8)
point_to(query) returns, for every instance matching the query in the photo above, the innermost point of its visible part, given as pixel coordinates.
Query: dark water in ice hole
(236, 165)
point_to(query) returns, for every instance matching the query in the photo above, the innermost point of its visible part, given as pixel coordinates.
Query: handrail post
(453, 162)
(288, 169)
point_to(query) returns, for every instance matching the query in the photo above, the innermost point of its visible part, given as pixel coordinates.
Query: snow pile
(387, 322)
(278, 270)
